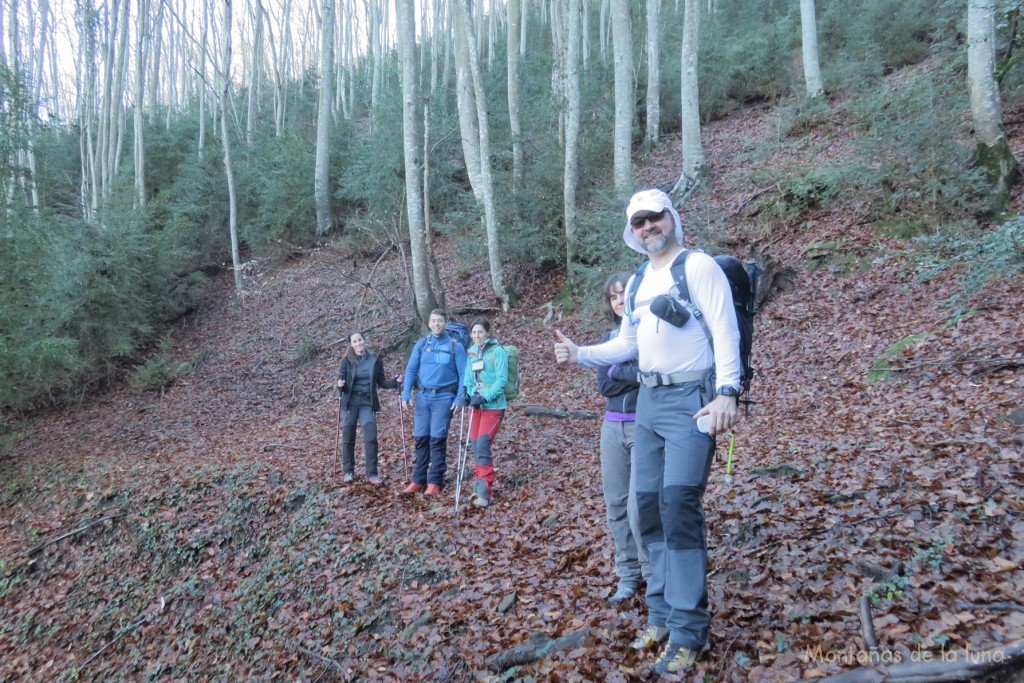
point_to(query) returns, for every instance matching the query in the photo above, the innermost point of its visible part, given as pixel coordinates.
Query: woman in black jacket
(360, 374)
(618, 384)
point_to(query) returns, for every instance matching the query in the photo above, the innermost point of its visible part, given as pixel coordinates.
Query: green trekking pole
(728, 459)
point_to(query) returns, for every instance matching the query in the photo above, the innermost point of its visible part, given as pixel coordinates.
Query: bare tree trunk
(653, 101)
(693, 150)
(435, 273)
(571, 170)
(424, 296)
(321, 180)
(202, 81)
(142, 45)
(622, 37)
(994, 152)
(376, 53)
(809, 33)
(255, 64)
(512, 57)
(229, 169)
(485, 195)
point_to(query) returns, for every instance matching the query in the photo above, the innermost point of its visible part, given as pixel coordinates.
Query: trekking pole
(337, 440)
(405, 448)
(728, 459)
(463, 457)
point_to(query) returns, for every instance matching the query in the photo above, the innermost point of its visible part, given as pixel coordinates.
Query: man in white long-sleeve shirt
(684, 375)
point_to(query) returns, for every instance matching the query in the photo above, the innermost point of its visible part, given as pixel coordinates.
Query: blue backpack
(460, 332)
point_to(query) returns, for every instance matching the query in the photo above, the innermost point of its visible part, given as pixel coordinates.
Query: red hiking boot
(412, 488)
(433, 489)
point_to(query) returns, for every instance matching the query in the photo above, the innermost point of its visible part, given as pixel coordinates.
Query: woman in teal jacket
(485, 379)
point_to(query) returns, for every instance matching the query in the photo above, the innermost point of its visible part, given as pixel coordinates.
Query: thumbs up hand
(565, 351)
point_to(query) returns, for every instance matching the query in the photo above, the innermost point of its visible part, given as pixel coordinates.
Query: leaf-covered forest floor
(197, 533)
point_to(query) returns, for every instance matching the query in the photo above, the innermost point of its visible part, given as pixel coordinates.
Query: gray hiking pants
(620, 500)
(672, 462)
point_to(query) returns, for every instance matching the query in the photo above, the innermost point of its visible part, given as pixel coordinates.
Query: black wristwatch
(729, 391)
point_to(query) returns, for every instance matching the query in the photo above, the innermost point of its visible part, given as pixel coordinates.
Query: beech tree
(809, 34)
(512, 59)
(653, 100)
(422, 292)
(478, 146)
(570, 175)
(622, 39)
(693, 150)
(229, 168)
(994, 152)
(321, 181)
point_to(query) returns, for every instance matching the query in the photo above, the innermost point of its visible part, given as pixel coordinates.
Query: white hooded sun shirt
(658, 345)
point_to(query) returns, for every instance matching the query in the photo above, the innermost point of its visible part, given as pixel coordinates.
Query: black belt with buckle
(450, 389)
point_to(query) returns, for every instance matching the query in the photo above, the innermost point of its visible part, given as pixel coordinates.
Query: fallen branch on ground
(75, 532)
(537, 647)
(541, 411)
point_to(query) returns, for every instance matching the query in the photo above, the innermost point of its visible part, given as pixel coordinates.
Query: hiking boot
(347, 478)
(375, 480)
(412, 488)
(625, 590)
(433, 489)
(481, 496)
(652, 635)
(675, 658)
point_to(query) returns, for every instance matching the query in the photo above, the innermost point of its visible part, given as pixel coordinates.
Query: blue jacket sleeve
(412, 369)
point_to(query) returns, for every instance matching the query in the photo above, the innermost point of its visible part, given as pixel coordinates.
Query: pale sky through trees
(303, 27)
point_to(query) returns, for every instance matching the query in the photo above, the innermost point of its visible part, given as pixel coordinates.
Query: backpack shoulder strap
(679, 275)
(635, 281)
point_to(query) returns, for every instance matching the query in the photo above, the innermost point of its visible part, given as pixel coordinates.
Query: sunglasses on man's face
(638, 222)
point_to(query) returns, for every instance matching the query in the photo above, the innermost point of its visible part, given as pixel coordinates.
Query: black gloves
(462, 401)
(477, 400)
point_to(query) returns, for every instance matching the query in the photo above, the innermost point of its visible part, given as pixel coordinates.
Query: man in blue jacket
(435, 370)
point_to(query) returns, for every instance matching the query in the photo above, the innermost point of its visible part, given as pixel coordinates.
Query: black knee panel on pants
(649, 510)
(683, 517)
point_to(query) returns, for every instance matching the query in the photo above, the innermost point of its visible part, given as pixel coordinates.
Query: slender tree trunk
(463, 27)
(321, 182)
(653, 101)
(622, 37)
(141, 45)
(424, 295)
(994, 152)
(515, 125)
(693, 150)
(207, 9)
(229, 169)
(809, 32)
(571, 171)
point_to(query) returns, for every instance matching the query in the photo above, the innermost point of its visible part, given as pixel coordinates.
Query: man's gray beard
(656, 247)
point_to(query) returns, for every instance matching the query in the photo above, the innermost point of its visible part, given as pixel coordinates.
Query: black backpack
(744, 278)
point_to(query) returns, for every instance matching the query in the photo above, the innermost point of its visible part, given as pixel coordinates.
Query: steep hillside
(197, 533)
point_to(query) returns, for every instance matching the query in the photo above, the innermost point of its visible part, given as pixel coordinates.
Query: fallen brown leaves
(228, 553)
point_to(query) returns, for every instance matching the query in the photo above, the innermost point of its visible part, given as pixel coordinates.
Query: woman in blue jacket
(618, 384)
(360, 374)
(484, 379)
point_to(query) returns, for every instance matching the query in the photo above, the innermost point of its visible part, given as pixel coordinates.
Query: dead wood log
(75, 532)
(541, 411)
(867, 626)
(959, 665)
(537, 647)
